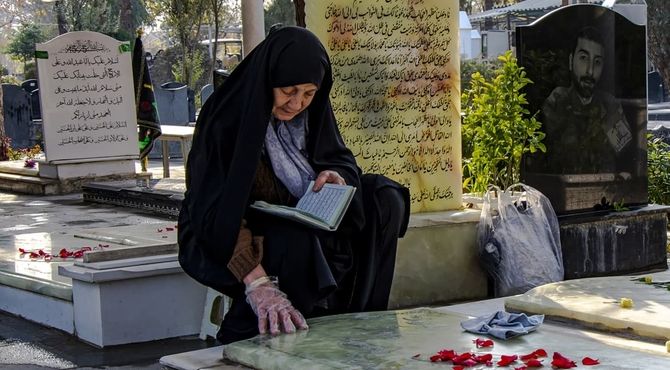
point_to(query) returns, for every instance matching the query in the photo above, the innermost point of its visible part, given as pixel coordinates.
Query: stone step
(27, 184)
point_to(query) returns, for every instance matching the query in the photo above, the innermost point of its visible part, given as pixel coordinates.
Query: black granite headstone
(205, 92)
(172, 101)
(29, 85)
(16, 104)
(173, 109)
(588, 67)
(220, 77)
(35, 109)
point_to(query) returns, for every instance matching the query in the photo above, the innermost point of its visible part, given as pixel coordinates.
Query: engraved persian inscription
(396, 90)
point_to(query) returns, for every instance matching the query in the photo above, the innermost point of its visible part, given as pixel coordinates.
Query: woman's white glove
(275, 312)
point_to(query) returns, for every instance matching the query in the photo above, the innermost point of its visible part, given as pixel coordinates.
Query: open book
(323, 209)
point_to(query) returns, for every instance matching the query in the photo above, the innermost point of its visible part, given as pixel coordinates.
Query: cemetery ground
(26, 345)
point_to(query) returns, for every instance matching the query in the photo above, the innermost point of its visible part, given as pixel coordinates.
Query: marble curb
(418, 220)
(121, 273)
(596, 303)
(47, 288)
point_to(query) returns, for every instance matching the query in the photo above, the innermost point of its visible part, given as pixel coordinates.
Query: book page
(325, 203)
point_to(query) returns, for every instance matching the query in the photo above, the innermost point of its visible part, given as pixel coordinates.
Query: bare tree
(658, 23)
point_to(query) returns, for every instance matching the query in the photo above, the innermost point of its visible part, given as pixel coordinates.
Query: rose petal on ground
(588, 361)
(505, 360)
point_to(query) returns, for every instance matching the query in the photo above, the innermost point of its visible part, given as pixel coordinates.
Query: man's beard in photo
(585, 85)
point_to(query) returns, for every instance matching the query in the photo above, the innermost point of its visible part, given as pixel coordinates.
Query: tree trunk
(126, 23)
(658, 23)
(60, 16)
(299, 12)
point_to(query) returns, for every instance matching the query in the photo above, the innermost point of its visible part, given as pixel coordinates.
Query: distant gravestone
(16, 104)
(35, 110)
(220, 77)
(191, 104)
(205, 92)
(589, 69)
(86, 95)
(30, 85)
(172, 101)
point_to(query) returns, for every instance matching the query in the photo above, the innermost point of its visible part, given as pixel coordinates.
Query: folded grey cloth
(503, 325)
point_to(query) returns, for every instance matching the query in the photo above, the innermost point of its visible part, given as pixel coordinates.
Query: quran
(322, 210)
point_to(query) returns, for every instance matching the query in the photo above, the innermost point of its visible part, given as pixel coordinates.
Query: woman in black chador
(264, 135)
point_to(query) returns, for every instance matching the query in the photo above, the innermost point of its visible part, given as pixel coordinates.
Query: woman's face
(289, 101)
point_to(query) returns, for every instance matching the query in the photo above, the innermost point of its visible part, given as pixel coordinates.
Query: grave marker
(16, 103)
(86, 94)
(396, 91)
(594, 119)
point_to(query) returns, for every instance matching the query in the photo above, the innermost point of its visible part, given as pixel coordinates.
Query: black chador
(321, 272)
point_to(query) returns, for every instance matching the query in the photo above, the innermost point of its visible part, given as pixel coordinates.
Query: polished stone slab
(393, 339)
(595, 302)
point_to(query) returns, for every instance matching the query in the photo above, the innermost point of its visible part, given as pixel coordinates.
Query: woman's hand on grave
(329, 177)
(275, 312)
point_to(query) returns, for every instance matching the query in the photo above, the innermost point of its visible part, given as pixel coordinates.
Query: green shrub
(497, 129)
(658, 170)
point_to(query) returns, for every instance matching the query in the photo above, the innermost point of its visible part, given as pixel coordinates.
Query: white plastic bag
(519, 240)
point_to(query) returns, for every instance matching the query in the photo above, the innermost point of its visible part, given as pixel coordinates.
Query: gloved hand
(275, 312)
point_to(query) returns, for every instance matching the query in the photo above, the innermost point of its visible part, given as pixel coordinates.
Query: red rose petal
(520, 368)
(447, 354)
(34, 255)
(458, 367)
(540, 352)
(506, 360)
(460, 359)
(484, 358)
(530, 356)
(534, 363)
(169, 228)
(588, 361)
(562, 362)
(435, 358)
(41, 252)
(22, 251)
(483, 343)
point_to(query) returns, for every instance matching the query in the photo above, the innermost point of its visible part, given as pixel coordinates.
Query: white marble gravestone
(86, 94)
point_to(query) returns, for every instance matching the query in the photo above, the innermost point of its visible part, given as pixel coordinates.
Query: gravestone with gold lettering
(396, 90)
(86, 95)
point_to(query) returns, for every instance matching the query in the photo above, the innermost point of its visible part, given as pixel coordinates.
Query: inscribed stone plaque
(396, 90)
(588, 64)
(86, 94)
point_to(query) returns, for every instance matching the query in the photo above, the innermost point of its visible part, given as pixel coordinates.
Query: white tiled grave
(596, 302)
(406, 339)
(131, 290)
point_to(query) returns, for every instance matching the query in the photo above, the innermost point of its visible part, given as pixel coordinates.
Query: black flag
(147, 110)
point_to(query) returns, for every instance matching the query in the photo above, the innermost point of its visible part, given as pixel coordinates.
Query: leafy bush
(486, 68)
(658, 170)
(497, 129)
(9, 79)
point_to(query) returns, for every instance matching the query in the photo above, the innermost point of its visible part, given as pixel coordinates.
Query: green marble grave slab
(393, 339)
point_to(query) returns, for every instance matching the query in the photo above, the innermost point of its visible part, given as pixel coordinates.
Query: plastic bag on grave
(519, 240)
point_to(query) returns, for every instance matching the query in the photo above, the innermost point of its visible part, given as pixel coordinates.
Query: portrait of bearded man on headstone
(582, 118)
(588, 68)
